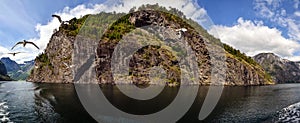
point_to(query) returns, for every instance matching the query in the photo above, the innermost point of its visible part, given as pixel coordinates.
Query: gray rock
(281, 70)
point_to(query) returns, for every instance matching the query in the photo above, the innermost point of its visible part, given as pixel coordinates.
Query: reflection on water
(31, 102)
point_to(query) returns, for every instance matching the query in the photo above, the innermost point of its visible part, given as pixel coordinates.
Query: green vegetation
(120, 27)
(91, 26)
(20, 76)
(240, 56)
(43, 58)
(73, 26)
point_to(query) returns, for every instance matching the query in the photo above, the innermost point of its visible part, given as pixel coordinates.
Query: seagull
(24, 42)
(14, 54)
(58, 17)
(180, 31)
(71, 66)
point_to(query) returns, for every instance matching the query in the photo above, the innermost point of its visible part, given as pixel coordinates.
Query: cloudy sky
(252, 26)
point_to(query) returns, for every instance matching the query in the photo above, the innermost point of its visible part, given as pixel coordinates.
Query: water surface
(39, 102)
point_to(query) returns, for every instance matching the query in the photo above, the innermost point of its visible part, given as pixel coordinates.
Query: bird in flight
(14, 54)
(58, 17)
(180, 32)
(181, 29)
(24, 42)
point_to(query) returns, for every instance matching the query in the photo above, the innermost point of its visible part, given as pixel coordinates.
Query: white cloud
(268, 8)
(253, 38)
(280, 16)
(19, 58)
(264, 11)
(293, 58)
(297, 13)
(294, 29)
(188, 7)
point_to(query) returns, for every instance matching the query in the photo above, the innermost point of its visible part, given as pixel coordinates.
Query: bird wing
(33, 44)
(183, 29)
(16, 45)
(58, 17)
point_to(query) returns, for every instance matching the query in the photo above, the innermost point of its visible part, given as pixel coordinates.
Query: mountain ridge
(281, 70)
(17, 71)
(3, 73)
(242, 69)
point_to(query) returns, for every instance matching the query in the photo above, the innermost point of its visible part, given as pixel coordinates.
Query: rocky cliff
(281, 70)
(241, 70)
(3, 73)
(56, 63)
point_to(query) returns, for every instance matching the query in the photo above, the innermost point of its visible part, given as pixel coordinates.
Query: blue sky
(253, 26)
(19, 18)
(226, 12)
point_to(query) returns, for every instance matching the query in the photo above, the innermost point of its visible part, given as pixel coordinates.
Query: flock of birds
(25, 42)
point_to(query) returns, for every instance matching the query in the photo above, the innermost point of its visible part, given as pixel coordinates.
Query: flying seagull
(180, 31)
(58, 17)
(24, 42)
(14, 54)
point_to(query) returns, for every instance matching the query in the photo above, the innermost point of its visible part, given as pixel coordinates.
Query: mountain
(27, 65)
(11, 66)
(55, 64)
(17, 71)
(3, 73)
(281, 70)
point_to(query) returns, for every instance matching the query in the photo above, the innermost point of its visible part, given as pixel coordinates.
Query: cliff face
(281, 70)
(3, 73)
(55, 64)
(241, 73)
(238, 72)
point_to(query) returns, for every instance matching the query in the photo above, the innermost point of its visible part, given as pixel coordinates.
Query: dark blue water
(36, 102)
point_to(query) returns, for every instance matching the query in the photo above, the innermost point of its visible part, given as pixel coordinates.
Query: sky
(252, 26)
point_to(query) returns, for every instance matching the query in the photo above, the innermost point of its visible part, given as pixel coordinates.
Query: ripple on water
(290, 114)
(4, 114)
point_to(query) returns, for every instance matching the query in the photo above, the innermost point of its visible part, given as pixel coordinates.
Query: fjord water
(40, 102)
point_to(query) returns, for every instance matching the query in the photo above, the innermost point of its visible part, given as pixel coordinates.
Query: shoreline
(144, 85)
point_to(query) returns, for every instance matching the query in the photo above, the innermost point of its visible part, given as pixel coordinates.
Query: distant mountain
(27, 66)
(3, 73)
(11, 66)
(3, 70)
(281, 70)
(17, 71)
